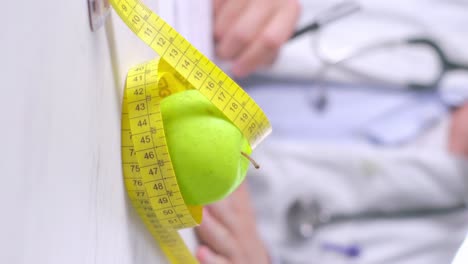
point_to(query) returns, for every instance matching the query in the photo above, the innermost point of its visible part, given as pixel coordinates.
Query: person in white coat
(429, 172)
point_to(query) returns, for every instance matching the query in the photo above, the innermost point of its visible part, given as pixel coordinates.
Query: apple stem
(254, 163)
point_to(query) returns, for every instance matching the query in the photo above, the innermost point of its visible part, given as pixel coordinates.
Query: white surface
(462, 255)
(63, 199)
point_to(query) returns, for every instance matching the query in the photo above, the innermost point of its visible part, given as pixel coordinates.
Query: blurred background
(358, 167)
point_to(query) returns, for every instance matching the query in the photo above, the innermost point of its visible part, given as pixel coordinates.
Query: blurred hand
(228, 234)
(250, 32)
(459, 132)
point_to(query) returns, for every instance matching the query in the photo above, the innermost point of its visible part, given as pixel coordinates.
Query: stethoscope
(344, 9)
(305, 216)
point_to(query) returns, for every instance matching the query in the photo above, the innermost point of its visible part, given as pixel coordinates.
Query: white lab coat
(355, 178)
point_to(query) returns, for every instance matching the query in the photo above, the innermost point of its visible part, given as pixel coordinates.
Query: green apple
(205, 147)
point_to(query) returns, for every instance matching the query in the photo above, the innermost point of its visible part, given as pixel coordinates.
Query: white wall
(62, 195)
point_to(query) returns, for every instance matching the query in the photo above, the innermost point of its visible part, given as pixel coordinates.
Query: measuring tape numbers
(149, 176)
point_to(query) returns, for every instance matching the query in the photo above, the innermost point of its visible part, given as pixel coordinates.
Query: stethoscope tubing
(302, 213)
(446, 64)
(347, 8)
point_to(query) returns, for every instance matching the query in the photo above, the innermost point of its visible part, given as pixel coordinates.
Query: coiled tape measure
(149, 176)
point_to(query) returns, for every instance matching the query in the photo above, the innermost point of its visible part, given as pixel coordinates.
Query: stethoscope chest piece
(304, 216)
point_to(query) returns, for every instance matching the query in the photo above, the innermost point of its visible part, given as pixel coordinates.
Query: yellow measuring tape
(149, 176)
